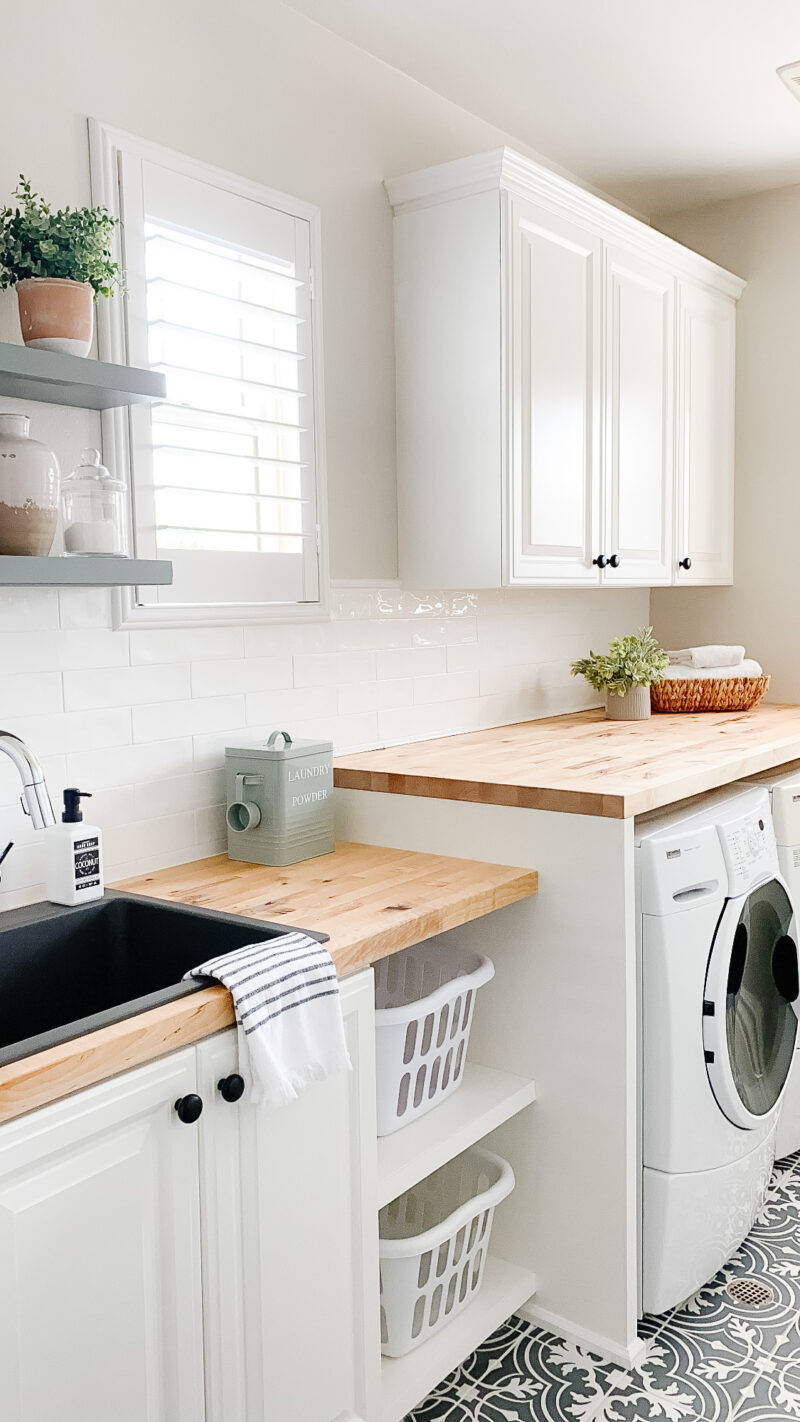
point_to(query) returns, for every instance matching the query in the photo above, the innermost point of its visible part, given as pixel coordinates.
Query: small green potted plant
(625, 674)
(59, 262)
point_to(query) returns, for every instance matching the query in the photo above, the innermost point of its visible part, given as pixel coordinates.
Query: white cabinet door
(290, 1240)
(706, 377)
(99, 1255)
(639, 419)
(554, 398)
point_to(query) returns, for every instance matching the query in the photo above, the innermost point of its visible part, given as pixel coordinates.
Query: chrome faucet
(35, 797)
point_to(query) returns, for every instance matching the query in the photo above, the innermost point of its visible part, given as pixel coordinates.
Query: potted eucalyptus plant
(625, 674)
(59, 262)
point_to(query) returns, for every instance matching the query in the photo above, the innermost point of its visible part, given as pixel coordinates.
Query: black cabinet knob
(600, 561)
(231, 1088)
(614, 560)
(189, 1108)
(685, 563)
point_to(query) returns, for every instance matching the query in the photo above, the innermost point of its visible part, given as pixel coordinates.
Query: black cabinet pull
(231, 1088)
(685, 563)
(600, 561)
(614, 560)
(189, 1108)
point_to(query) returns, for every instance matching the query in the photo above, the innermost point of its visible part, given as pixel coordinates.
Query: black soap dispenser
(74, 855)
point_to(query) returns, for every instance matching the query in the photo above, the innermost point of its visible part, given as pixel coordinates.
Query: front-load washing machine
(784, 794)
(719, 979)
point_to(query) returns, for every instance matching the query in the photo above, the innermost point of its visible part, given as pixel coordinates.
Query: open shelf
(97, 572)
(485, 1099)
(406, 1381)
(58, 379)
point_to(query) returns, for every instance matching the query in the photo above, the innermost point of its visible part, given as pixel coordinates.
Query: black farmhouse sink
(68, 971)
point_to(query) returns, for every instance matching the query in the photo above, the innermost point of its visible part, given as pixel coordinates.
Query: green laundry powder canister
(280, 806)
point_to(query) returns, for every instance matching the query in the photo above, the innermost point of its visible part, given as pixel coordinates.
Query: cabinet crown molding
(512, 172)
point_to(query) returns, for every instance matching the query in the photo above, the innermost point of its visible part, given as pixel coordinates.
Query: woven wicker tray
(740, 693)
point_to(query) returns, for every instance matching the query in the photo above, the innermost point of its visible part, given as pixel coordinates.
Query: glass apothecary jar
(94, 509)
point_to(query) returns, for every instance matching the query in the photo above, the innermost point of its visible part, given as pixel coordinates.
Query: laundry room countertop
(582, 763)
(371, 901)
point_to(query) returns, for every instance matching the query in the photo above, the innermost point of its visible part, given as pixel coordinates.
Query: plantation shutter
(225, 478)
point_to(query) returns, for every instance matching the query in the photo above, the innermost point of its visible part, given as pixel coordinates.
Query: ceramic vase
(56, 314)
(633, 706)
(29, 486)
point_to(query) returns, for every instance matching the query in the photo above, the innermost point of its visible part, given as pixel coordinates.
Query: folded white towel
(748, 667)
(711, 656)
(288, 1012)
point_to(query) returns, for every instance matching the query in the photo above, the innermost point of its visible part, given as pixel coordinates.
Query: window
(227, 474)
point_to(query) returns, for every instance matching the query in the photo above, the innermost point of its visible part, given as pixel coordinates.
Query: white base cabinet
(222, 1271)
(100, 1271)
(290, 1276)
(564, 387)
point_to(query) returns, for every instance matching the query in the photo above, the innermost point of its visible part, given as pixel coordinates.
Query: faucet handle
(7, 850)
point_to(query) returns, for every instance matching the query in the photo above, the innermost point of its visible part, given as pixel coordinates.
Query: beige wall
(261, 91)
(759, 238)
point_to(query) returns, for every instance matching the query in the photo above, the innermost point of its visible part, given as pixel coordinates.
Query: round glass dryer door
(749, 1018)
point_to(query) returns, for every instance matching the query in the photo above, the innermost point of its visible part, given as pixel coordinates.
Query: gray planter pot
(633, 706)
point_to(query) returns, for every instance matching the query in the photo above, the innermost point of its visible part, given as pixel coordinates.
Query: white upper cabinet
(564, 387)
(555, 308)
(704, 467)
(639, 416)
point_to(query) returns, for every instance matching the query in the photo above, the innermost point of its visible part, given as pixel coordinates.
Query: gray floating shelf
(97, 572)
(58, 379)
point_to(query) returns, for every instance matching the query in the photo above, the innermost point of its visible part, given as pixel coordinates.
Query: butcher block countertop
(582, 763)
(371, 901)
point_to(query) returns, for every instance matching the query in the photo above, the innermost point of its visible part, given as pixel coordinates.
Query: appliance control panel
(748, 844)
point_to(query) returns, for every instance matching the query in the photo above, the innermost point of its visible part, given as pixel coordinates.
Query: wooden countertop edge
(483, 792)
(598, 802)
(61, 1071)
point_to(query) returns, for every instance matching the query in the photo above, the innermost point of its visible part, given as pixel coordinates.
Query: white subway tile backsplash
(28, 609)
(333, 668)
(167, 719)
(416, 661)
(159, 645)
(244, 674)
(450, 686)
(29, 694)
(72, 730)
(272, 709)
(142, 718)
(146, 764)
(129, 685)
(58, 651)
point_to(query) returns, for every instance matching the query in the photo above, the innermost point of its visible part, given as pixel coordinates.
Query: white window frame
(108, 148)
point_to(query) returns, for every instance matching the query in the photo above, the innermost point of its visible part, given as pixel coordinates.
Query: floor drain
(750, 1293)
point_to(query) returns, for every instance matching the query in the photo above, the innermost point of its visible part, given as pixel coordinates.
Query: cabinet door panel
(640, 356)
(704, 504)
(290, 1240)
(554, 398)
(100, 1256)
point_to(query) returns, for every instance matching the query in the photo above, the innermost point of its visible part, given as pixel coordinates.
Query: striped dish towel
(288, 1014)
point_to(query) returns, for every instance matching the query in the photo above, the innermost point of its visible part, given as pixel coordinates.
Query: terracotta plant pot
(56, 314)
(633, 706)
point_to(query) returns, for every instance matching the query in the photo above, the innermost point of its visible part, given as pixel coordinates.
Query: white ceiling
(665, 103)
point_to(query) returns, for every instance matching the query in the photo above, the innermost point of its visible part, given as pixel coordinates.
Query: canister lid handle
(287, 740)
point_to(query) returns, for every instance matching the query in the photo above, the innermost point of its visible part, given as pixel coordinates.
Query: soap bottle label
(87, 863)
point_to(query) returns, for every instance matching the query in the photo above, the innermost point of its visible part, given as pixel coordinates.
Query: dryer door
(749, 1018)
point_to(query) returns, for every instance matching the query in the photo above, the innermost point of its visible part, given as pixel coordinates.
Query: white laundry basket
(434, 1240)
(424, 1005)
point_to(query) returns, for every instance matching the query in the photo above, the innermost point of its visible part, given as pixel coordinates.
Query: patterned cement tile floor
(707, 1361)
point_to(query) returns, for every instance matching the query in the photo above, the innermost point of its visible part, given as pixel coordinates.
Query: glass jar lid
(90, 469)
